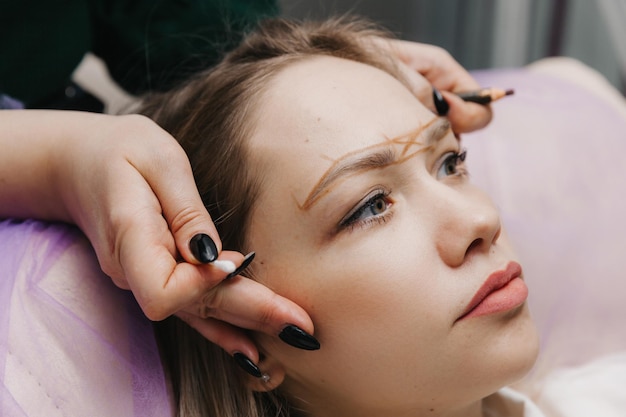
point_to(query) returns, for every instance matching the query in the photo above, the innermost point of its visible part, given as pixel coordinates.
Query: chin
(506, 354)
(528, 348)
(517, 349)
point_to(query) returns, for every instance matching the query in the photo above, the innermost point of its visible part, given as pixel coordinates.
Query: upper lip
(494, 282)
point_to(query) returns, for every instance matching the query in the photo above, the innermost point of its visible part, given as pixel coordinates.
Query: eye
(452, 165)
(374, 208)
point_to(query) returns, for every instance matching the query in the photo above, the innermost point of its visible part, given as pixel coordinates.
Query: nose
(469, 224)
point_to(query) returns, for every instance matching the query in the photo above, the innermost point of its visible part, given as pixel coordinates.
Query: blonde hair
(212, 115)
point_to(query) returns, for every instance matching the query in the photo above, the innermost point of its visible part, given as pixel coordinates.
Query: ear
(273, 375)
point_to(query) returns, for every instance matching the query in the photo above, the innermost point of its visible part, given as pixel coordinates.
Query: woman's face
(367, 219)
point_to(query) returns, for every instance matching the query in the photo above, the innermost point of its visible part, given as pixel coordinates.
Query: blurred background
(478, 33)
(498, 33)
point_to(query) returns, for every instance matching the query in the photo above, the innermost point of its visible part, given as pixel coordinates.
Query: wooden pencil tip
(509, 92)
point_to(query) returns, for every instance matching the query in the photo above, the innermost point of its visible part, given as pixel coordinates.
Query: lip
(502, 291)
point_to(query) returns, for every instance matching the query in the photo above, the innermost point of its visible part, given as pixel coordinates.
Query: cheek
(368, 300)
(371, 287)
(374, 279)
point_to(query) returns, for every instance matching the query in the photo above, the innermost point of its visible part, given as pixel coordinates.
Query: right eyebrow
(366, 159)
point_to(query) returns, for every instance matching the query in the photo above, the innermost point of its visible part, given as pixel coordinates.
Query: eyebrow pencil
(485, 95)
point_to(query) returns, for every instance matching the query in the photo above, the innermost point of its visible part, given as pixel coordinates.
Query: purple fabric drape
(71, 343)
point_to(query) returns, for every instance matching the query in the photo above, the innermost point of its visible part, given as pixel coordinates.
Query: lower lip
(506, 298)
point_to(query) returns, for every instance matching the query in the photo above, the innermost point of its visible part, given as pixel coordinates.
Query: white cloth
(595, 389)
(510, 403)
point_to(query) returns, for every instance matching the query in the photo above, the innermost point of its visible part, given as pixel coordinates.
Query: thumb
(171, 179)
(466, 117)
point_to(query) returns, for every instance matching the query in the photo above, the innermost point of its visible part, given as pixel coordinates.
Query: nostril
(475, 243)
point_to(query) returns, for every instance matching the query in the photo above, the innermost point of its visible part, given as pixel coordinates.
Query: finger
(161, 284)
(436, 65)
(441, 70)
(248, 304)
(226, 336)
(466, 117)
(417, 85)
(127, 227)
(168, 172)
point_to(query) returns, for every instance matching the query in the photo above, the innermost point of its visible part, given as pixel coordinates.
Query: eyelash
(353, 219)
(458, 162)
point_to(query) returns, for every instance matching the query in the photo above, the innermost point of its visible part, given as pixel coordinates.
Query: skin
(386, 292)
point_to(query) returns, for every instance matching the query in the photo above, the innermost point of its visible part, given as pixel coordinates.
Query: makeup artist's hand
(425, 66)
(128, 185)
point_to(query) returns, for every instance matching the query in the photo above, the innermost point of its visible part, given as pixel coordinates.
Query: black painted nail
(296, 337)
(246, 261)
(247, 365)
(441, 104)
(203, 248)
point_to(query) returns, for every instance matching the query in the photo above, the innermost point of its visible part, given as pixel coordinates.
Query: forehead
(321, 108)
(322, 96)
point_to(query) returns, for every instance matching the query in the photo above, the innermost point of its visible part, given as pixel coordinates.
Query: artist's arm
(425, 66)
(128, 185)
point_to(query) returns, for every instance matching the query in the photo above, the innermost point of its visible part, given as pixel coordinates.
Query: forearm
(32, 144)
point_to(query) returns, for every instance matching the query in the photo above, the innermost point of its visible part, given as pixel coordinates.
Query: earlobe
(273, 374)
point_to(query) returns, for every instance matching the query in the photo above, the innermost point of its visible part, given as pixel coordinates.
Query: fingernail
(296, 337)
(247, 365)
(203, 248)
(441, 104)
(246, 261)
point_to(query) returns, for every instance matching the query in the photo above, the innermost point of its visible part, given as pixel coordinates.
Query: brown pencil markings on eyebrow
(350, 164)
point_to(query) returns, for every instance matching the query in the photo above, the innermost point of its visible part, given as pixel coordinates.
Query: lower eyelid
(372, 221)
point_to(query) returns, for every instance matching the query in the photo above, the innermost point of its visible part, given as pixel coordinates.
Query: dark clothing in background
(146, 44)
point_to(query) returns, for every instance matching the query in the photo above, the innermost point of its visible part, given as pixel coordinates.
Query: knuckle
(270, 310)
(204, 311)
(444, 54)
(136, 122)
(211, 304)
(168, 155)
(440, 53)
(119, 281)
(155, 311)
(188, 216)
(137, 129)
(130, 127)
(173, 152)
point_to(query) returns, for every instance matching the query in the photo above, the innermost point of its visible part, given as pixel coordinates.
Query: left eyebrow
(382, 156)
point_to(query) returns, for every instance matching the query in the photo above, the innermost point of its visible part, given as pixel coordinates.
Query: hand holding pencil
(480, 96)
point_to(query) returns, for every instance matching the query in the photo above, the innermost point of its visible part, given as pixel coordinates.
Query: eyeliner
(485, 95)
